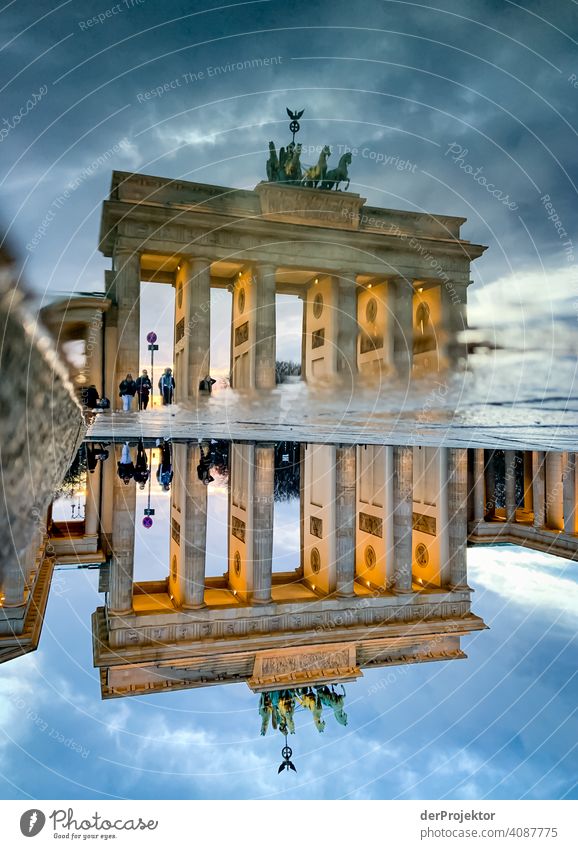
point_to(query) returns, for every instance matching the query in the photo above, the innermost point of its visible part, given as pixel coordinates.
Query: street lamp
(151, 339)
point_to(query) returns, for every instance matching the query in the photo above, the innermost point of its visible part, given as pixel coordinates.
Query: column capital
(187, 606)
(399, 279)
(263, 269)
(194, 259)
(126, 247)
(123, 254)
(122, 248)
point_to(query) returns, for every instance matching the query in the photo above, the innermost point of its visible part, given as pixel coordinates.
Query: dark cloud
(401, 79)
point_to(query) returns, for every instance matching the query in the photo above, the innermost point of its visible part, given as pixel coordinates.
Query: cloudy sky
(456, 91)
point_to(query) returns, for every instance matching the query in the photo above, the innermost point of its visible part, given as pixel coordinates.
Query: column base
(398, 591)
(261, 601)
(198, 606)
(120, 612)
(344, 594)
(460, 588)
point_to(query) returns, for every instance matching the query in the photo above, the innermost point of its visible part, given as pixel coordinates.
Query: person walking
(95, 453)
(125, 465)
(141, 469)
(165, 469)
(127, 391)
(167, 386)
(206, 384)
(204, 467)
(143, 389)
(90, 396)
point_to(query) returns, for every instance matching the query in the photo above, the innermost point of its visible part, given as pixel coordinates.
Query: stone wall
(41, 422)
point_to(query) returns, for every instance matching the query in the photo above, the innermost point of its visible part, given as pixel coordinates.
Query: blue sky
(500, 724)
(404, 80)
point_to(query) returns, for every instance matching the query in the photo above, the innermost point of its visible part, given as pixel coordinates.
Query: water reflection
(369, 646)
(294, 568)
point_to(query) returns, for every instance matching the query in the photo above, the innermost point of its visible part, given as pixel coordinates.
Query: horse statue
(333, 700)
(286, 708)
(272, 163)
(338, 175)
(293, 171)
(265, 710)
(309, 700)
(316, 173)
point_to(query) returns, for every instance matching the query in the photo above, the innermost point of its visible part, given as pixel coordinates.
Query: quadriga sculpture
(338, 175)
(278, 707)
(286, 168)
(316, 173)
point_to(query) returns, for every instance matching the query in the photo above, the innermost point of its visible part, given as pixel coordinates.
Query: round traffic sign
(151, 337)
(147, 522)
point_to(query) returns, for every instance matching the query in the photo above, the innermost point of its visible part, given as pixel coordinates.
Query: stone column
(265, 326)
(345, 324)
(528, 503)
(231, 289)
(539, 488)
(569, 491)
(110, 387)
(510, 480)
(388, 532)
(127, 289)
(479, 485)
(303, 299)
(92, 504)
(402, 519)
(457, 517)
(94, 352)
(490, 485)
(122, 559)
(192, 580)
(197, 323)
(13, 578)
(263, 522)
(401, 305)
(454, 299)
(107, 501)
(345, 476)
(301, 509)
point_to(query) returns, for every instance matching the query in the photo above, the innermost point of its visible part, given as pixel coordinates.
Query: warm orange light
(420, 290)
(369, 285)
(316, 281)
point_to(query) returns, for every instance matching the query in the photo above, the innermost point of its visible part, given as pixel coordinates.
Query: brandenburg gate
(384, 291)
(380, 578)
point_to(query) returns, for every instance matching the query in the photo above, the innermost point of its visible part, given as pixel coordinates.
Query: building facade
(384, 291)
(381, 577)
